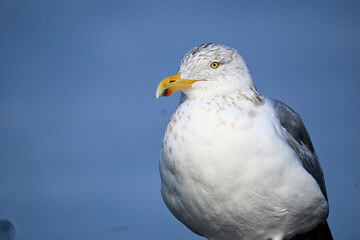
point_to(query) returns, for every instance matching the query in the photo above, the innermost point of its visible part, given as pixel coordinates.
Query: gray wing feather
(299, 139)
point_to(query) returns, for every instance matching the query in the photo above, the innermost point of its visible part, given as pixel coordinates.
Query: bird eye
(214, 65)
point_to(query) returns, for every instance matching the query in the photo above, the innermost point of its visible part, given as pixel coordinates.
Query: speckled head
(209, 70)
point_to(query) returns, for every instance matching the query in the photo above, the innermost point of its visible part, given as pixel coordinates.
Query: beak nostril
(171, 81)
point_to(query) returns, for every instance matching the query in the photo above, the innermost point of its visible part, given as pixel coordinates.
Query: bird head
(206, 71)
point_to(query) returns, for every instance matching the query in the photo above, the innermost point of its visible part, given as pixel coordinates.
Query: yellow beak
(173, 84)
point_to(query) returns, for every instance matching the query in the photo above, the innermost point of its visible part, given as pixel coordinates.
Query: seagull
(235, 164)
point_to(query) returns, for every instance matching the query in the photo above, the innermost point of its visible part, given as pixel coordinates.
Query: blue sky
(81, 129)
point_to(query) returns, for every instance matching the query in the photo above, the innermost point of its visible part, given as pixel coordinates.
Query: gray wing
(300, 141)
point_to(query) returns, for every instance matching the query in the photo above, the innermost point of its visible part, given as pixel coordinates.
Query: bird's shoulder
(299, 139)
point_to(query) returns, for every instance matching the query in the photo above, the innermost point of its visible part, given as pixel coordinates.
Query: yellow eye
(214, 65)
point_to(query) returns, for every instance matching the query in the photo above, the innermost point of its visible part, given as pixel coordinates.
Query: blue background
(81, 130)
